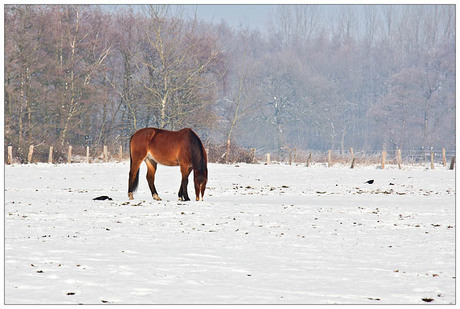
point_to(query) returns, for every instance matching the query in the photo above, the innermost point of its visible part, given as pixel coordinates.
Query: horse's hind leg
(133, 175)
(185, 170)
(151, 169)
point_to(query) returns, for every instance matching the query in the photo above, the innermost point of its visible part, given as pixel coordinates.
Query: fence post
(398, 157)
(87, 154)
(120, 153)
(329, 163)
(268, 158)
(352, 158)
(50, 156)
(452, 163)
(31, 152)
(290, 157)
(309, 160)
(444, 157)
(69, 155)
(384, 157)
(105, 154)
(253, 155)
(432, 159)
(10, 155)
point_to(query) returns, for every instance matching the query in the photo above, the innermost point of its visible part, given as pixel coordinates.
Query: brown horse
(171, 148)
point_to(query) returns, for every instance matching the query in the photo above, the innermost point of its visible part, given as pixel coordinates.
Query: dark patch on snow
(102, 198)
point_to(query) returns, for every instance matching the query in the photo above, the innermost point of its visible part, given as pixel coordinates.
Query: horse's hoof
(156, 197)
(130, 196)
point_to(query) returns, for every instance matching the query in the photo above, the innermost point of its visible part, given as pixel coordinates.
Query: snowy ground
(274, 234)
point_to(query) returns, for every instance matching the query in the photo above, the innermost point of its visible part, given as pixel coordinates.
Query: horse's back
(163, 146)
(145, 133)
(151, 132)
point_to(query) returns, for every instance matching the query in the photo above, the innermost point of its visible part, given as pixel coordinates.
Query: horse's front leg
(151, 169)
(185, 170)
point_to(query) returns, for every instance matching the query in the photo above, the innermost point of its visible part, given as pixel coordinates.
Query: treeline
(320, 77)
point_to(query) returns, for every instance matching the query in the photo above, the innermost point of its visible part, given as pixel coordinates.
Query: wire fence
(444, 157)
(218, 154)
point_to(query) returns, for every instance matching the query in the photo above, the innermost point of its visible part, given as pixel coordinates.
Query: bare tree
(76, 36)
(242, 70)
(122, 77)
(179, 62)
(22, 53)
(297, 24)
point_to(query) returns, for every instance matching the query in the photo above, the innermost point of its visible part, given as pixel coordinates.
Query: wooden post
(398, 157)
(452, 163)
(69, 155)
(432, 159)
(268, 158)
(87, 154)
(105, 154)
(384, 158)
(120, 153)
(253, 155)
(31, 152)
(444, 157)
(10, 155)
(329, 163)
(309, 160)
(352, 158)
(50, 156)
(290, 157)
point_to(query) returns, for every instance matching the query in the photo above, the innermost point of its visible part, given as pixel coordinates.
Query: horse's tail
(199, 157)
(133, 184)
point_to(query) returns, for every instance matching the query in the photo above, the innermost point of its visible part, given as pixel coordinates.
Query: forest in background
(370, 77)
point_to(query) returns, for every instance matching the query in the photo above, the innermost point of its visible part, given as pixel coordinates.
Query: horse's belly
(163, 160)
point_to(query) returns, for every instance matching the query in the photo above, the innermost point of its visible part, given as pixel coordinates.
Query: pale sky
(236, 15)
(252, 15)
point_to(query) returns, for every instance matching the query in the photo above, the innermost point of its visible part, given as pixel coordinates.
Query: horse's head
(200, 177)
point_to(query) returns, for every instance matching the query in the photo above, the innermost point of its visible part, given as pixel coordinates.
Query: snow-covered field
(275, 234)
